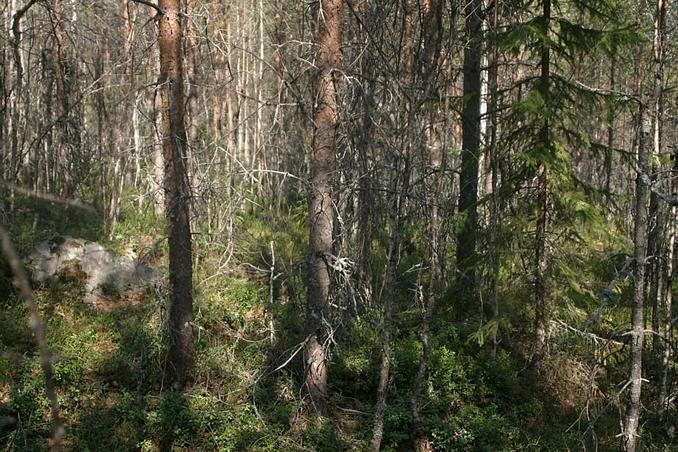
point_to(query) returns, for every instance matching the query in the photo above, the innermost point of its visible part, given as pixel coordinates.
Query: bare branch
(50, 197)
(38, 328)
(158, 9)
(16, 18)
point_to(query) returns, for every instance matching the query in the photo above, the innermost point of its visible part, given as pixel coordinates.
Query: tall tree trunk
(321, 208)
(665, 254)
(436, 164)
(157, 172)
(655, 246)
(609, 155)
(492, 81)
(540, 249)
(432, 20)
(177, 195)
(663, 399)
(70, 139)
(398, 189)
(657, 215)
(398, 186)
(468, 180)
(632, 418)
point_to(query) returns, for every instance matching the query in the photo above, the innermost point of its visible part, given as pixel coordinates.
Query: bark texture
(177, 195)
(468, 182)
(321, 205)
(632, 417)
(540, 247)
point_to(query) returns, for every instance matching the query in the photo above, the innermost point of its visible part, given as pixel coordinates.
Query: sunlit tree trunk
(321, 208)
(632, 417)
(157, 165)
(177, 194)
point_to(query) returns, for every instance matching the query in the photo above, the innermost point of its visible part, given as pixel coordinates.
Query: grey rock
(101, 271)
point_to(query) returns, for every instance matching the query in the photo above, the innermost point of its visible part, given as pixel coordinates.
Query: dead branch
(49, 197)
(38, 327)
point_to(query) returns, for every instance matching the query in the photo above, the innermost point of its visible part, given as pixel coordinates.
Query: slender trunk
(655, 271)
(493, 94)
(70, 157)
(366, 166)
(540, 249)
(432, 19)
(665, 278)
(436, 162)
(399, 182)
(17, 96)
(192, 106)
(157, 173)
(609, 156)
(138, 147)
(177, 195)
(657, 217)
(632, 418)
(662, 401)
(321, 209)
(398, 189)
(468, 180)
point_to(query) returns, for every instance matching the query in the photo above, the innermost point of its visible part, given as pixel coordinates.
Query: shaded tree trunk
(493, 125)
(177, 195)
(399, 185)
(435, 161)
(540, 248)
(70, 162)
(468, 181)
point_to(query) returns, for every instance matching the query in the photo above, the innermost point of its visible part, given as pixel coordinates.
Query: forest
(328, 225)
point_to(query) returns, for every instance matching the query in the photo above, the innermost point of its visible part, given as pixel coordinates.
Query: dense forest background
(381, 225)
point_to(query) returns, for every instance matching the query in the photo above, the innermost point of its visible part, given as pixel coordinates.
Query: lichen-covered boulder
(100, 271)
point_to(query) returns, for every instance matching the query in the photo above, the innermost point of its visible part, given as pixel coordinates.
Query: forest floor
(245, 393)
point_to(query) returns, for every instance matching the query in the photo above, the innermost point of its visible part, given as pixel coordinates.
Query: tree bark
(435, 163)
(468, 180)
(176, 184)
(662, 401)
(321, 208)
(70, 120)
(632, 417)
(540, 250)
(399, 185)
(495, 208)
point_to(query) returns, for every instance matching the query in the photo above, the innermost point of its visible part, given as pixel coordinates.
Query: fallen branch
(49, 197)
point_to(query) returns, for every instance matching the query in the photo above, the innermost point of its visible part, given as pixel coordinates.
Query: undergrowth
(245, 393)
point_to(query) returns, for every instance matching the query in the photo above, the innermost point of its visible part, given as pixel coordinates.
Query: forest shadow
(132, 408)
(30, 220)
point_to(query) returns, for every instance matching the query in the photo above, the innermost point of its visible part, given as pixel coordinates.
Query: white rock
(103, 272)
